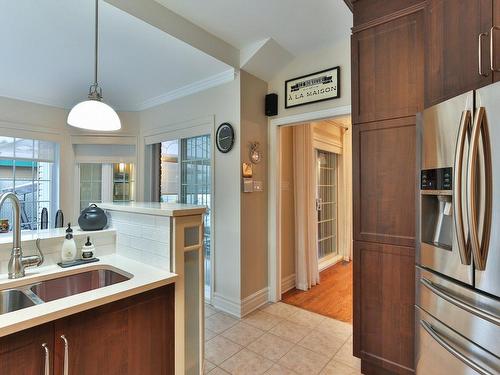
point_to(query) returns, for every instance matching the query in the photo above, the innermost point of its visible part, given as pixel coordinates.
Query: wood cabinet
(388, 90)
(387, 69)
(496, 40)
(384, 310)
(384, 180)
(452, 30)
(130, 336)
(24, 352)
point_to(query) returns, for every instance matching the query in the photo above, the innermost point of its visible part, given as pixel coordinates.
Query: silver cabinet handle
(480, 246)
(469, 362)
(492, 49)
(463, 245)
(66, 355)
(483, 314)
(480, 54)
(47, 359)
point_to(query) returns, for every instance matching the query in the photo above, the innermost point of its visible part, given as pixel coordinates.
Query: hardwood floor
(332, 297)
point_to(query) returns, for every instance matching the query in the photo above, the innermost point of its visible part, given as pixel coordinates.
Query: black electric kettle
(92, 218)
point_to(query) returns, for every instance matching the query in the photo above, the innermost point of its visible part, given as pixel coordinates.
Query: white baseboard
(254, 301)
(241, 308)
(227, 305)
(287, 283)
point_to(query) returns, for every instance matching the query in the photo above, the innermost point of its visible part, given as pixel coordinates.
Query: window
(106, 182)
(29, 168)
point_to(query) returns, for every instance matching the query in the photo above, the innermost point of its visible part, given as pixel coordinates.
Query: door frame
(187, 129)
(274, 194)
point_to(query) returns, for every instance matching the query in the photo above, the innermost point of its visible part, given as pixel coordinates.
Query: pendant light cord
(95, 92)
(96, 52)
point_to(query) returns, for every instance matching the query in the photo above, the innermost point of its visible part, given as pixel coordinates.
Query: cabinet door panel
(22, 352)
(496, 39)
(127, 337)
(387, 69)
(384, 180)
(384, 305)
(451, 43)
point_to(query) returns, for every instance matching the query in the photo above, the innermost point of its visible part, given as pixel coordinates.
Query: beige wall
(254, 269)
(29, 120)
(337, 54)
(287, 214)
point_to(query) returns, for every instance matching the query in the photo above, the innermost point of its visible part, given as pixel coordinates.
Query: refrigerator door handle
(462, 236)
(479, 133)
(483, 314)
(441, 341)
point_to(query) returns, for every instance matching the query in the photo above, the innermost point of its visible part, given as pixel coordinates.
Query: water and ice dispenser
(437, 207)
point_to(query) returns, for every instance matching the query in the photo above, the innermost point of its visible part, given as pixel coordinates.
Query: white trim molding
(230, 306)
(312, 116)
(287, 283)
(241, 308)
(254, 301)
(192, 88)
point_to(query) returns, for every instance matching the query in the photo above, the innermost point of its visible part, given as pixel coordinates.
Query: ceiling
(298, 26)
(47, 56)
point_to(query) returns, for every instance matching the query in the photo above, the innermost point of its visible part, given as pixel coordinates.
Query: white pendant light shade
(94, 115)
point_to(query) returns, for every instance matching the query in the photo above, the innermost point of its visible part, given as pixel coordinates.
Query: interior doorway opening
(315, 216)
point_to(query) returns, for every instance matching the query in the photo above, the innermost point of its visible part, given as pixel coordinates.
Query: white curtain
(304, 160)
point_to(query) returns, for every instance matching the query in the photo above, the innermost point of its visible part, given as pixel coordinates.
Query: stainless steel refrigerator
(458, 248)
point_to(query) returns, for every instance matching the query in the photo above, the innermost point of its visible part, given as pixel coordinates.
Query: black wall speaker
(271, 104)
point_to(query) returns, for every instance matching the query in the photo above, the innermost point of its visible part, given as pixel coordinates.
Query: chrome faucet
(18, 261)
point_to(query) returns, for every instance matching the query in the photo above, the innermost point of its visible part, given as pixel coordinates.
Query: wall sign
(313, 88)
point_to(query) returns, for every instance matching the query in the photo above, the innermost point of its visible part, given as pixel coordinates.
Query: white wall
(29, 120)
(337, 54)
(223, 104)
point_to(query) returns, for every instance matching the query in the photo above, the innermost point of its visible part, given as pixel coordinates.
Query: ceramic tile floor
(278, 339)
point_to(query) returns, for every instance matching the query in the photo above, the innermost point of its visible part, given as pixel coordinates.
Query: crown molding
(192, 88)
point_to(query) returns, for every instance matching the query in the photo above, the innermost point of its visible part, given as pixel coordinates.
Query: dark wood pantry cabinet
(406, 55)
(387, 91)
(457, 37)
(130, 336)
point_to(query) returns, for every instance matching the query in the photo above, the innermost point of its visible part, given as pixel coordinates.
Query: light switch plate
(248, 185)
(258, 186)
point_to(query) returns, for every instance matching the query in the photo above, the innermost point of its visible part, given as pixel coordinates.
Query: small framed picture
(313, 88)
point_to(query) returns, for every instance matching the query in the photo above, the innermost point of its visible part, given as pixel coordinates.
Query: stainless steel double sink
(56, 288)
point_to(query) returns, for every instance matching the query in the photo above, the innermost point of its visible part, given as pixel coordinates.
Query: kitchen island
(122, 315)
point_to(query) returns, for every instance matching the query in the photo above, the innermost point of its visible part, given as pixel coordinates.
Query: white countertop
(155, 208)
(144, 278)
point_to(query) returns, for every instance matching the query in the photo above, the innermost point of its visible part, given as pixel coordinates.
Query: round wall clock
(224, 138)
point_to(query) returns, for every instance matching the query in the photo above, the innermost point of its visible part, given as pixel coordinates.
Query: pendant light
(94, 114)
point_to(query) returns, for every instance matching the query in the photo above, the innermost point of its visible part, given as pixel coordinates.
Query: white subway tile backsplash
(145, 238)
(162, 221)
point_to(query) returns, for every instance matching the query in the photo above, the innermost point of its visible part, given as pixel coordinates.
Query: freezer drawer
(440, 350)
(475, 316)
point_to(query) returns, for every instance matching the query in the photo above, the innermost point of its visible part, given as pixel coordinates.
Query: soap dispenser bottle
(68, 251)
(88, 250)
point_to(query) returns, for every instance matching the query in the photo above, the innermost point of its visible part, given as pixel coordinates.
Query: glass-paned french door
(186, 177)
(326, 205)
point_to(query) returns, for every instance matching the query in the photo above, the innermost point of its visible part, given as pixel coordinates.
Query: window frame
(55, 178)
